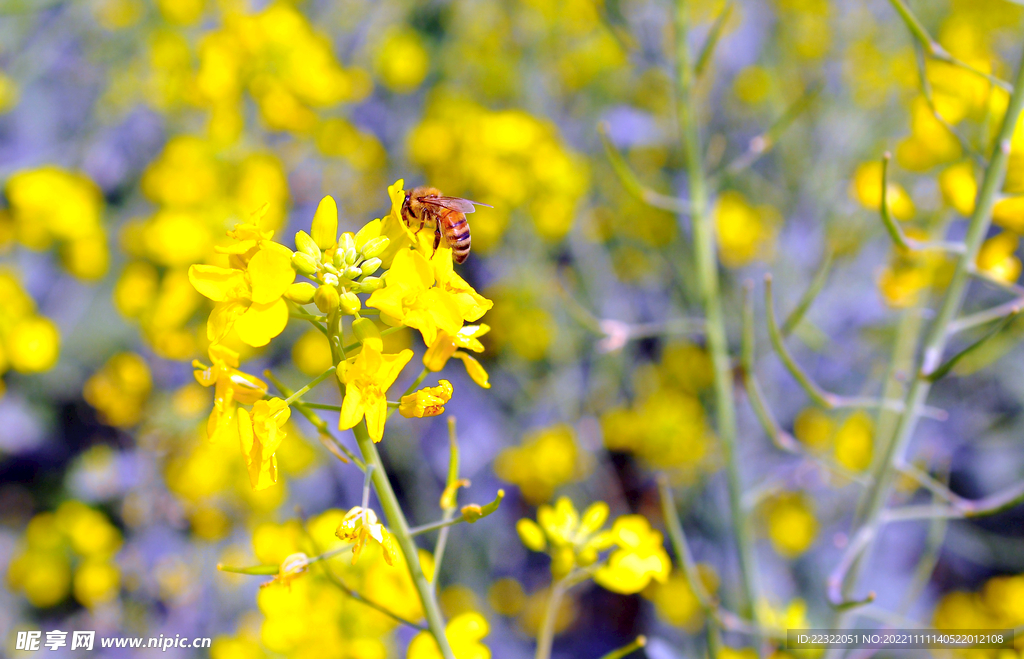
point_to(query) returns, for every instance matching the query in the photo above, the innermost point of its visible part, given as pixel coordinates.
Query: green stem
(399, 528)
(952, 302)
(546, 636)
(317, 380)
(707, 275)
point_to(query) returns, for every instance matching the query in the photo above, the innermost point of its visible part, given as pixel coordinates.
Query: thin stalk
(317, 380)
(711, 299)
(625, 651)
(811, 294)
(938, 335)
(546, 636)
(399, 528)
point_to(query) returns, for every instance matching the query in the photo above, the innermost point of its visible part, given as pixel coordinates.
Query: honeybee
(425, 205)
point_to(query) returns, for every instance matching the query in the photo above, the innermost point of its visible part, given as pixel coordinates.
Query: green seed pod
(352, 272)
(304, 263)
(325, 223)
(306, 245)
(301, 292)
(375, 247)
(326, 299)
(369, 266)
(350, 303)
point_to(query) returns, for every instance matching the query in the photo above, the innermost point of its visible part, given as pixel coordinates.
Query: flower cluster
(54, 208)
(637, 553)
(69, 550)
(546, 460)
(29, 342)
(119, 390)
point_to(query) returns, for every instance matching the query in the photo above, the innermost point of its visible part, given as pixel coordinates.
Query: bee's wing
(453, 203)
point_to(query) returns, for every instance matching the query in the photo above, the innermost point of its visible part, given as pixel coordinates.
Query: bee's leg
(437, 239)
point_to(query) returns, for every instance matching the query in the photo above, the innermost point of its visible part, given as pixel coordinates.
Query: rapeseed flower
(120, 389)
(464, 633)
(249, 297)
(231, 387)
(429, 401)
(260, 432)
(640, 557)
(358, 526)
(410, 298)
(569, 539)
(367, 377)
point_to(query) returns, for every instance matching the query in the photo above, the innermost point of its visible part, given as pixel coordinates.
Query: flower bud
(331, 269)
(301, 292)
(304, 263)
(306, 245)
(367, 333)
(346, 242)
(375, 247)
(352, 272)
(350, 303)
(326, 299)
(325, 223)
(370, 266)
(369, 284)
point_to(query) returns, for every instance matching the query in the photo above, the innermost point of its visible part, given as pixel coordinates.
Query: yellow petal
(218, 284)
(351, 408)
(475, 370)
(376, 408)
(410, 269)
(390, 300)
(270, 272)
(222, 319)
(262, 322)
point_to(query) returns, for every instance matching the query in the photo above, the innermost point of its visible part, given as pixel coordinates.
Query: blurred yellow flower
(745, 233)
(930, 143)
(33, 344)
(792, 527)
(1009, 214)
(96, 582)
(854, 442)
(119, 389)
(429, 401)
(367, 377)
(752, 85)
(640, 557)
(546, 460)
(402, 60)
(997, 257)
(569, 539)
(464, 633)
(866, 188)
(814, 429)
(959, 187)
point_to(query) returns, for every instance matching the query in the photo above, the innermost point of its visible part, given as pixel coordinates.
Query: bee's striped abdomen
(457, 235)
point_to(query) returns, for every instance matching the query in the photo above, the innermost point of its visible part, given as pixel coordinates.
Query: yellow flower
(959, 187)
(997, 257)
(1009, 214)
(292, 567)
(546, 460)
(260, 433)
(359, 525)
(745, 233)
(854, 442)
(639, 558)
(446, 346)
(471, 304)
(410, 298)
(866, 188)
(402, 60)
(367, 377)
(464, 633)
(231, 387)
(429, 401)
(33, 345)
(120, 389)
(249, 294)
(792, 526)
(573, 541)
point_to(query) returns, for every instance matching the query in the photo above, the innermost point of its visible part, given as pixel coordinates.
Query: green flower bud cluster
(340, 267)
